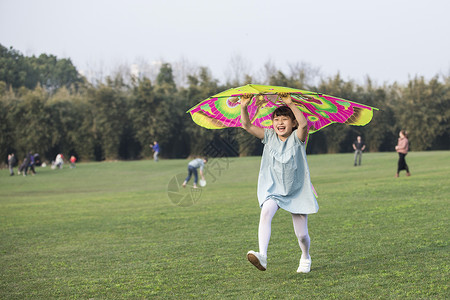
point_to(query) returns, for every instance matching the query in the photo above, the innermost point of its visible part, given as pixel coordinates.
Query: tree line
(47, 107)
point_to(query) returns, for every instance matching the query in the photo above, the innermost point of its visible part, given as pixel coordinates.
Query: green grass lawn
(123, 230)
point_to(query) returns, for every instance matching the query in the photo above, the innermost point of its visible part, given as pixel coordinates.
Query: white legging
(268, 210)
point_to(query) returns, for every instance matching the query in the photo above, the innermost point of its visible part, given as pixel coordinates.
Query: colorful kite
(223, 110)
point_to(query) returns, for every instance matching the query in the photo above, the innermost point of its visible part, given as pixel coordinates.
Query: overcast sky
(389, 40)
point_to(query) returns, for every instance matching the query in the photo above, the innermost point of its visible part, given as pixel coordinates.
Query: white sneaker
(305, 266)
(257, 259)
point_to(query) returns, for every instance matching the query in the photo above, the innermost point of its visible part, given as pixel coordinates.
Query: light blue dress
(284, 174)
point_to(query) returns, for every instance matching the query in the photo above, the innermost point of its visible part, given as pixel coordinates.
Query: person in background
(402, 149)
(11, 163)
(73, 160)
(31, 163)
(192, 169)
(59, 161)
(24, 166)
(359, 147)
(155, 148)
(37, 160)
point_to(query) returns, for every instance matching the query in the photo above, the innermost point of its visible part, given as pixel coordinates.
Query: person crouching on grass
(284, 179)
(192, 169)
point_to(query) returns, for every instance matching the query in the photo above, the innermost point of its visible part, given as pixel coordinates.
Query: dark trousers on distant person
(358, 156)
(31, 167)
(23, 169)
(402, 163)
(192, 170)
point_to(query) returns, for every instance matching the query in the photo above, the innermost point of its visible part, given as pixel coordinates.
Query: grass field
(123, 230)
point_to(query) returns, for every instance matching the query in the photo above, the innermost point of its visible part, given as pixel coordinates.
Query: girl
(402, 149)
(284, 179)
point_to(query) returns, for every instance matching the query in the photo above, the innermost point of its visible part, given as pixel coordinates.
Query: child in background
(73, 160)
(284, 179)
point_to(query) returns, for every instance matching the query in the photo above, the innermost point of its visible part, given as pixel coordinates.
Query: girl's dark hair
(284, 111)
(404, 132)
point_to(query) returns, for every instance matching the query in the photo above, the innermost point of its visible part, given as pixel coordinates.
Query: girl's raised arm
(302, 131)
(245, 120)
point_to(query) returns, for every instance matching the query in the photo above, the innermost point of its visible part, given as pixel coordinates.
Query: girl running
(284, 179)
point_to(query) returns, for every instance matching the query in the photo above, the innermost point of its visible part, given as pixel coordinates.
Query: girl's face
(401, 134)
(283, 126)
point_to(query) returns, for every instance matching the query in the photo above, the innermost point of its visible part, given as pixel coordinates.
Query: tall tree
(32, 128)
(165, 79)
(141, 113)
(423, 109)
(379, 134)
(107, 107)
(13, 68)
(47, 70)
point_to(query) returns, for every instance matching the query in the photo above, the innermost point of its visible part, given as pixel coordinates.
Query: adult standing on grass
(198, 163)
(284, 179)
(359, 147)
(155, 148)
(11, 163)
(402, 149)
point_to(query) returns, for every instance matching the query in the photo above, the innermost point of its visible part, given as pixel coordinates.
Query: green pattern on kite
(223, 110)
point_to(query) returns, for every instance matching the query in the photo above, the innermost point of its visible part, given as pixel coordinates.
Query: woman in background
(402, 149)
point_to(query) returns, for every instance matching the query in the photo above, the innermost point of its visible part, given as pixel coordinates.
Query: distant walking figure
(24, 166)
(402, 148)
(359, 147)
